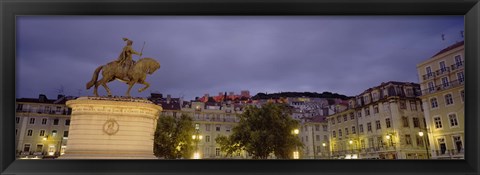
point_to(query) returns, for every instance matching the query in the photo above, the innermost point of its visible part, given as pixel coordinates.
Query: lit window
(378, 126)
(32, 121)
(26, 148)
(438, 122)
(408, 139)
(217, 151)
(67, 122)
(42, 133)
(416, 122)
(460, 77)
(434, 102)
(449, 99)
(453, 120)
(29, 132)
(462, 93)
(405, 122)
(413, 106)
(445, 82)
(375, 109)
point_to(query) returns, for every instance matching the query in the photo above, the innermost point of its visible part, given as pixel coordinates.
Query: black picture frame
(11, 8)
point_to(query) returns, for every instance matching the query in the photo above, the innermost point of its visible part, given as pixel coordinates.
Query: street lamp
(196, 137)
(295, 153)
(424, 142)
(325, 149)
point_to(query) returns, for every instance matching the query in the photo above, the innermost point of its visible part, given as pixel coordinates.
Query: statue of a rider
(125, 58)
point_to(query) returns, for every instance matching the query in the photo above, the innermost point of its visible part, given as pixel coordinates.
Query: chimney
(42, 98)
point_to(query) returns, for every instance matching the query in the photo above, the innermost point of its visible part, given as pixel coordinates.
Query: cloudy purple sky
(211, 54)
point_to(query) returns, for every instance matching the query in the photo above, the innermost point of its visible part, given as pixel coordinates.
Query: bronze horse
(114, 70)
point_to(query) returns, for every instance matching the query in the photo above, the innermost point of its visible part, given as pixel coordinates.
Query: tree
(262, 131)
(173, 137)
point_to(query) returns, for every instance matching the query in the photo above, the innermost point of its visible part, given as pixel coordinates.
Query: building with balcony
(41, 126)
(442, 80)
(383, 122)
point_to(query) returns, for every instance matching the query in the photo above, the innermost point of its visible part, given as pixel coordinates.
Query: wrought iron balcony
(444, 86)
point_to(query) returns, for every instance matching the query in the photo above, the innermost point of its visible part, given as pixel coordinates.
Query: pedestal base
(111, 128)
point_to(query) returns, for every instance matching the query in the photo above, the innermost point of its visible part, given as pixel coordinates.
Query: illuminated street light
(323, 144)
(424, 142)
(295, 153)
(351, 142)
(388, 137)
(196, 155)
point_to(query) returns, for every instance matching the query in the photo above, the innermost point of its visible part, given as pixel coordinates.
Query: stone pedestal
(111, 128)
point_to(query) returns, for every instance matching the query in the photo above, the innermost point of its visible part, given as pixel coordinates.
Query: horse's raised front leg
(130, 85)
(144, 88)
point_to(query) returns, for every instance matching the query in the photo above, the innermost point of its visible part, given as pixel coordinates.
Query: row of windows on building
(43, 133)
(392, 91)
(317, 127)
(452, 118)
(217, 127)
(413, 107)
(445, 83)
(379, 142)
(448, 100)
(317, 138)
(44, 121)
(378, 126)
(443, 66)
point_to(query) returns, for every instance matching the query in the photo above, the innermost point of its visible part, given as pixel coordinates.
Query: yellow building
(315, 138)
(41, 126)
(442, 82)
(383, 122)
(211, 121)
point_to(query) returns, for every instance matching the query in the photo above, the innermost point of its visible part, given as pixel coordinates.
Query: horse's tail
(94, 78)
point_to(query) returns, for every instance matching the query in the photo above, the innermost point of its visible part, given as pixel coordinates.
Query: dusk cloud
(211, 54)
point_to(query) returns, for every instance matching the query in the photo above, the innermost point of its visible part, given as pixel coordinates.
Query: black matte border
(11, 8)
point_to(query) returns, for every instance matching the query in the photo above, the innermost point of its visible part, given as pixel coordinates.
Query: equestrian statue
(125, 69)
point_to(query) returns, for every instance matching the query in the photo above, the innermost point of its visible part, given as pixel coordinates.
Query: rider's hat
(125, 39)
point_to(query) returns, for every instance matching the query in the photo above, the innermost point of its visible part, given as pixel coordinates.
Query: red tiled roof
(451, 47)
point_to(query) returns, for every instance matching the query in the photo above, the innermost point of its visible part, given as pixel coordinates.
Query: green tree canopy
(173, 137)
(262, 131)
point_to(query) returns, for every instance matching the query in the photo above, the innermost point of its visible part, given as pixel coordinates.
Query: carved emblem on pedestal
(110, 127)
